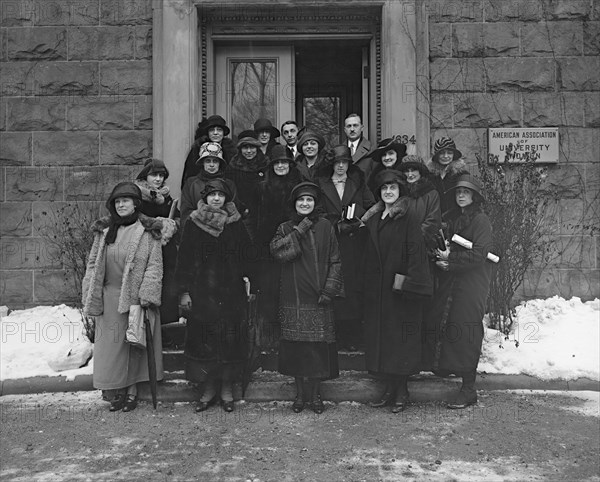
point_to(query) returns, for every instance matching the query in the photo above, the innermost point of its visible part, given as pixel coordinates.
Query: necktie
(352, 148)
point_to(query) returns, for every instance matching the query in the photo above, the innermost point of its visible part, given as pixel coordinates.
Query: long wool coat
(424, 205)
(210, 267)
(393, 321)
(443, 184)
(453, 328)
(351, 244)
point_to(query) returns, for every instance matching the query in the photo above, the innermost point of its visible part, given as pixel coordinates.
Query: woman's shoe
(130, 403)
(117, 403)
(317, 405)
(462, 400)
(298, 405)
(400, 404)
(386, 399)
(203, 406)
(228, 406)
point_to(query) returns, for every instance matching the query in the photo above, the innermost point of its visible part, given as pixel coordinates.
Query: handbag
(136, 332)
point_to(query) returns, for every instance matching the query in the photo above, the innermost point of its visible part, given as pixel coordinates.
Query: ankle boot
(402, 395)
(467, 395)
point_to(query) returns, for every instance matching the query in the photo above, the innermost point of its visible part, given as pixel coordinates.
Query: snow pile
(34, 339)
(557, 339)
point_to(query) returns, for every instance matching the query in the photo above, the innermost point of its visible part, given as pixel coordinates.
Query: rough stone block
(457, 75)
(567, 9)
(571, 215)
(35, 114)
(65, 148)
(15, 148)
(55, 286)
(540, 283)
(501, 39)
(553, 109)
(487, 110)
(142, 117)
(552, 38)
(442, 110)
(565, 182)
(50, 218)
(16, 219)
(17, 79)
(143, 43)
(101, 43)
(520, 74)
(444, 11)
(28, 253)
(467, 40)
(575, 252)
(37, 43)
(15, 14)
(578, 145)
(468, 141)
(584, 283)
(3, 42)
(591, 38)
(510, 10)
(126, 12)
(34, 184)
(3, 103)
(597, 245)
(122, 147)
(126, 78)
(16, 287)
(96, 183)
(100, 113)
(66, 12)
(440, 40)
(2, 183)
(579, 73)
(592, 109)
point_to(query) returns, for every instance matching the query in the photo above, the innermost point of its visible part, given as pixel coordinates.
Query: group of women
(331, 253)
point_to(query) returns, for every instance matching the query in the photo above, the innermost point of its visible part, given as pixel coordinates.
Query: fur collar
(240, 163)
(398, 209)
(150, 194)
(213, 220)
(453, 169)
(420, 188)
(152, 225)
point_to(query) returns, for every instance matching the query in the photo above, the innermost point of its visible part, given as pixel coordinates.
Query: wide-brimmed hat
(124, 189)
(445, 143)
(385, 145)
(248, 138)
(311, 135)
(471, 182)
(265, 125)
(339, 153)
(280, 153)
(413, 162)
(215, 185)
(153, 166)
(210, 149)
(305, 188)
(217, 121)
(387, 176)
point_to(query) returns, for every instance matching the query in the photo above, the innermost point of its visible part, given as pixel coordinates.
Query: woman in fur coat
(210, 270)
(280, 178)
(397, 282)
(157, 203)
(124, 268)
(310, 279)
(453, 326)
(343, 184)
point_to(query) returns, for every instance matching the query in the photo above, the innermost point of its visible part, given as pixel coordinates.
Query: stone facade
(76, 117)
(529, 63)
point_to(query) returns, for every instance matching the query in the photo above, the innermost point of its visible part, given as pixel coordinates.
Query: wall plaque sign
(514, 145)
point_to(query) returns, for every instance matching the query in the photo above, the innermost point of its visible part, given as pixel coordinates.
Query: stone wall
(529, 63)
(75, 119)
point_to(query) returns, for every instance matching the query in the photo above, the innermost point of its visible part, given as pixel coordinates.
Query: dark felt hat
(385, 145)
(152, 166)
(305, 188)
(280, 153)
(413, 162)
(248, 138)
(471, 182)
(265, 125)
(339, 153)
(387, 176)
(445, 143)
(311, 135)
(124, 189)
(217, 121)
(215, 185)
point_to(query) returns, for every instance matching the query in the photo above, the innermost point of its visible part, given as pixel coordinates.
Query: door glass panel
(253, 92)
(322, 115)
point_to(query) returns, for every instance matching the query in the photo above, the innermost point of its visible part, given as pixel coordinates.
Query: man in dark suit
(359, 145)
(289, 132)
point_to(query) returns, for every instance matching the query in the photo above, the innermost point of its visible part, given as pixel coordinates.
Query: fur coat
(443, 184)
(143, 272)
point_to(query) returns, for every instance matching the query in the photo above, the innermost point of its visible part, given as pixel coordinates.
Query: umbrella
(151, 359)
(252, 361)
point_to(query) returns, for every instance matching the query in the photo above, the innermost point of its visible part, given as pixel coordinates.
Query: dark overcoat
(192, 167)
(351, 245)
(393, 320)
(424, 205)
(444, 184)
(453, 327)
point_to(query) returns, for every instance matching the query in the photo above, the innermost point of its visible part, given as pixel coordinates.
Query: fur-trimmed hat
(305, 188)
(215, 185)
(471, 182)
(152, 166)
(413, 162)
(445, 143)
(311, 135)
(124, 189)
(248, 138)
(265, 125)
(216, 121)
(385, 145)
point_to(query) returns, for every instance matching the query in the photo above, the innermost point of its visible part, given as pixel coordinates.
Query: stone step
(269, 385)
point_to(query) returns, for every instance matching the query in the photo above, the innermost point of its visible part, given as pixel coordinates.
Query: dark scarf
(420, 188)
(314, 216)
(116, 221)
(460, 219)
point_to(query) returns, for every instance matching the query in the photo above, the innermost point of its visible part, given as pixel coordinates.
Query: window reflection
(253, 93)
(322, 115)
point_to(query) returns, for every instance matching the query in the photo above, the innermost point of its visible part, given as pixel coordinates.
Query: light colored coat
(142, 275)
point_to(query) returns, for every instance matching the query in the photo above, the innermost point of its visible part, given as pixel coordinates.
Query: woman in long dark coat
(280, 178)
(453, 328)
(343, 185)
(210, 271)
(310, 279)
(393, 316)
(388, 155)
(312, 155)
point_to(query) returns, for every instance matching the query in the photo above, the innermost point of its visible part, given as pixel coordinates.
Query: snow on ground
(557, 339)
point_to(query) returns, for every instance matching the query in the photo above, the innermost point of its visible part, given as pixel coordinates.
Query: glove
(185, 302)
(144, 303)
(303, 226)
(348, 226)
(324, 300)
